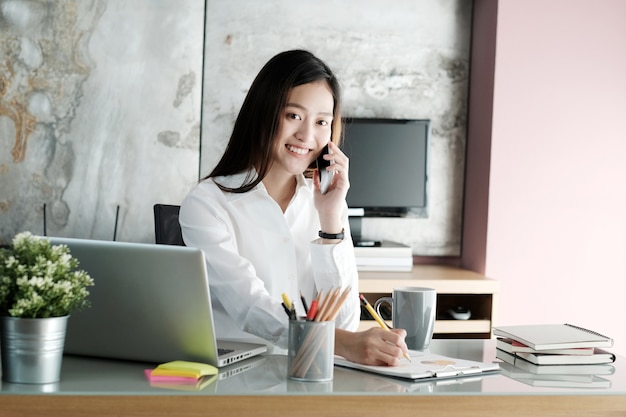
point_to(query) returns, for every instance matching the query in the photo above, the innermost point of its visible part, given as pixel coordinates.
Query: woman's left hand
(331, 204)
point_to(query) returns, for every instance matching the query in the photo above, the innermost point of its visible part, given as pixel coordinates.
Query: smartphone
(326, 177)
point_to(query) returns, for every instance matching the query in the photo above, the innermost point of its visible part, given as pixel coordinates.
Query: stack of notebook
(383, 256)
(554, 354)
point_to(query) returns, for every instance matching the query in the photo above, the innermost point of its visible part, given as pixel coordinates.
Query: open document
(424, 365)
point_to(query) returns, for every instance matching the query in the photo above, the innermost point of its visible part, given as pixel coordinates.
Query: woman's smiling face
(304, 128)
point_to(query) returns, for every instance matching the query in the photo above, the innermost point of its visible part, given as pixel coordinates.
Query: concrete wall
(105, 96)
(99, 114)
(396, 59)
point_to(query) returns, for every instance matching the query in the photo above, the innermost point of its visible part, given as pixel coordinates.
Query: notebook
(513, 346)
(530, 368)
(600, 356)
(149, 303)
(426, 365)
(553, 336)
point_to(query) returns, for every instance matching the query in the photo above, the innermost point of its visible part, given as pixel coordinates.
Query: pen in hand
(376, 317)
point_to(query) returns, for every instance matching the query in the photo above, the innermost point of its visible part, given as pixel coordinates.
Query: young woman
(266, 228)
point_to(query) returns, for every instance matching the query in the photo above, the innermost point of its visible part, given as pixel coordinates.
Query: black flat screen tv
(388, 166)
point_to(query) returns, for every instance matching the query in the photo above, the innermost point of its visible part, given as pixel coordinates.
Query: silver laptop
(149, 303)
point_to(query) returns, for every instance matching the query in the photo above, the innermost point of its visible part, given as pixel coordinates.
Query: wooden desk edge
(314, 404)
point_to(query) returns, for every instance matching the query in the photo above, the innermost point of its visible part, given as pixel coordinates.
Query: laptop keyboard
(222, 351)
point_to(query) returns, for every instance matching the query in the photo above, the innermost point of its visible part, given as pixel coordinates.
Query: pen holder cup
(311, 350)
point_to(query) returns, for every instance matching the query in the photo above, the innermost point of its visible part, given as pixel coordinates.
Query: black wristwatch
(325, 235)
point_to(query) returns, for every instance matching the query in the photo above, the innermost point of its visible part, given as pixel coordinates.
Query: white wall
(556, 234)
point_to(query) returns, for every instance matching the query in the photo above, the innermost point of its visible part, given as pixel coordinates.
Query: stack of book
(557, 355)
(383, 256)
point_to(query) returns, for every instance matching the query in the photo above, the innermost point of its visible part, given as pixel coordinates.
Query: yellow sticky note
(185, 368)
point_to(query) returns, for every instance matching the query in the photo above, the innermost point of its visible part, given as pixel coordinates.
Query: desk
(97, 387)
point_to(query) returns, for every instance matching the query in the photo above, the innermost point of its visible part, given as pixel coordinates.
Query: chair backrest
(166, 227)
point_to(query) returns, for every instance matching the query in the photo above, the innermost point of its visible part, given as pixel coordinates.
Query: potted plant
(40, 286)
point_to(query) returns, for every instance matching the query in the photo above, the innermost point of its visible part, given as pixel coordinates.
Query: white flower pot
(32, 349)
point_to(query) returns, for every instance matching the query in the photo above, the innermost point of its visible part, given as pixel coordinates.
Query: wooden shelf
(454, 286)
(446, 326)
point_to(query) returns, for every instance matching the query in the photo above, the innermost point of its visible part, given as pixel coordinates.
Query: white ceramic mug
(413, 309)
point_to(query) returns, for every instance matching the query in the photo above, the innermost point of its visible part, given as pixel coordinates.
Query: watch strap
(325, 235)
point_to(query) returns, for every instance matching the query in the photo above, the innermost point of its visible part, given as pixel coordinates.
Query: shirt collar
(302, 184)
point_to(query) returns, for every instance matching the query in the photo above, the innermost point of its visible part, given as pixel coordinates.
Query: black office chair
(166, 227)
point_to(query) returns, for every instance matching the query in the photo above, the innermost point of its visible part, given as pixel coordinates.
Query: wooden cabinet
(455, 287)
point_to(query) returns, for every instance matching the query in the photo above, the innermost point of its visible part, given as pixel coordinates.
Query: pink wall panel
(556, 234)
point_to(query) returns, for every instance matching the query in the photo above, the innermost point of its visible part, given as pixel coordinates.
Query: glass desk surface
(266, 375)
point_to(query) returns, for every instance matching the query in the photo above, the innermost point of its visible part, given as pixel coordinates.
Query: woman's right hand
(375, 346)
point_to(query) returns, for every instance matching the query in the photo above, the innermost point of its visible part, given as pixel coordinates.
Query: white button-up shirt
(255, 253)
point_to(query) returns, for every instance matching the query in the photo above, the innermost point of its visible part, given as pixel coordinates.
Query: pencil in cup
(312, 342)
(311, 346)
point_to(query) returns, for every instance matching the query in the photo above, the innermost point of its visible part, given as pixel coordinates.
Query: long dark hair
(251, 143)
